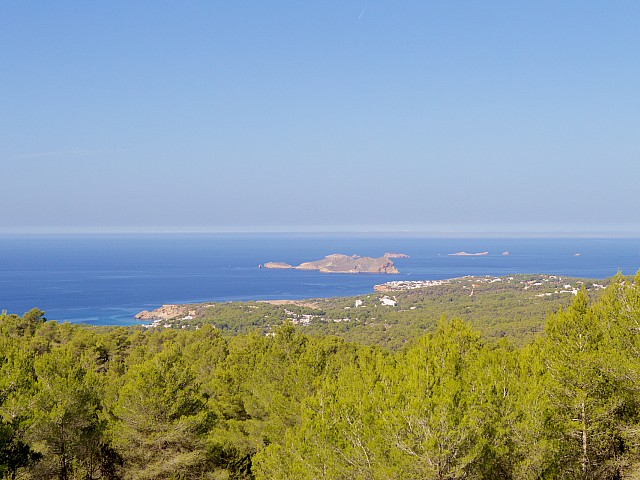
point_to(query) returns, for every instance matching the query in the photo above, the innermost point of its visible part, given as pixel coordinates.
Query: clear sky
(320, 115)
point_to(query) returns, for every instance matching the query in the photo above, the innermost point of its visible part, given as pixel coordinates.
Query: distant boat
(465, 254)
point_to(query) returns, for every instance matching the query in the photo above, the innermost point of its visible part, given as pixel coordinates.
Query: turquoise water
(106, 279)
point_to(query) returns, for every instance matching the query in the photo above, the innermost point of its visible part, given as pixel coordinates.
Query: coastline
(539, 285)
(112, 278)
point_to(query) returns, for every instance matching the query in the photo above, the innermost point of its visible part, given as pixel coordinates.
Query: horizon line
(443, 231)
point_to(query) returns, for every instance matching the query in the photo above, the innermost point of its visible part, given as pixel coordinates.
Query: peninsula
(338, 263)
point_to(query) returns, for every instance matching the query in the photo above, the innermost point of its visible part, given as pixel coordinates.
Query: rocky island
(339, 263)
(465, 254)
(396, 255)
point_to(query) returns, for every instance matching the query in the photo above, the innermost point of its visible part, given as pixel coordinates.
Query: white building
(388, 302)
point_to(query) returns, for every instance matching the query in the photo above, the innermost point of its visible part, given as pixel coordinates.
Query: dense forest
(178, 403)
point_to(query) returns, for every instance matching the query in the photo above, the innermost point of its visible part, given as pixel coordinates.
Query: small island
(339, 263)
(465, 254)
(396, 255)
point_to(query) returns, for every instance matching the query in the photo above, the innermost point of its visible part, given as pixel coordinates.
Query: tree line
(110, 403)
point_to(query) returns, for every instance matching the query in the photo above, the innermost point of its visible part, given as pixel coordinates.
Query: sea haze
(105, 279)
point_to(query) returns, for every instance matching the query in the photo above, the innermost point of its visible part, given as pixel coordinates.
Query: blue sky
(423, 115)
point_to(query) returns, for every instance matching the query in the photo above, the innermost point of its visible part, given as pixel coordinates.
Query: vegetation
(514, 307)
(174, 403)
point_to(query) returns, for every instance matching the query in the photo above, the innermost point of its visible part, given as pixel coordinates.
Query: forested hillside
(173, 403)
(512, 306)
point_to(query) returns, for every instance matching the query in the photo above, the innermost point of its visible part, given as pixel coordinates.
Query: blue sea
(107, 279)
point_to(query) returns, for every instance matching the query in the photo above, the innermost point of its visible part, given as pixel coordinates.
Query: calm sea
(105, 280)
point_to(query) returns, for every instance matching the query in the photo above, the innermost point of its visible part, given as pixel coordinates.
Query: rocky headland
(162, 313)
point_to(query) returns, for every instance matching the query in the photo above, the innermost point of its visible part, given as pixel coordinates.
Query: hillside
(395, 312)
(188, 401)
